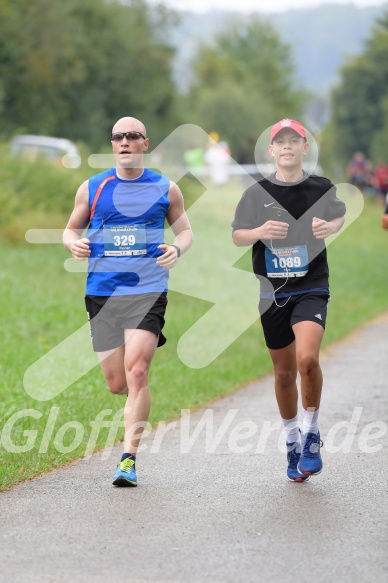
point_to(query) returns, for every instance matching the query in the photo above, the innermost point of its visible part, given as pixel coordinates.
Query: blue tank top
(126, 226)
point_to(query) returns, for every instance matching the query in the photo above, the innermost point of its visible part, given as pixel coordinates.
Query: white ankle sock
(310, 421)
(291, 427)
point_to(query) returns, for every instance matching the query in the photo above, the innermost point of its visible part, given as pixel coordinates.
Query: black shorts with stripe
(109, 316)
(277, 320)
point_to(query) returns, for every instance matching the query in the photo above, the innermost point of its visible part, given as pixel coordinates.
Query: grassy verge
(42, 304)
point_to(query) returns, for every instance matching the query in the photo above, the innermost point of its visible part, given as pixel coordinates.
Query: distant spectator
(369, 180)
(381, 181)
(356, 170)
(194, 157)
(384, 218)
(217, 158)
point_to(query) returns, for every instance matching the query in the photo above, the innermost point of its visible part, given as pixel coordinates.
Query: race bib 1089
(287, 261)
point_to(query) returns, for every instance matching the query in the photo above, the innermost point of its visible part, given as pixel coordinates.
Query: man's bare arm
(179, 222)
(78, 221)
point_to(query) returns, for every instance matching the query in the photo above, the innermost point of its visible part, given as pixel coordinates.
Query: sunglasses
(130, 136)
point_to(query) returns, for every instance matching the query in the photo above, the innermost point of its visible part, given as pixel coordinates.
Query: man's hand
(169, 257)
(80, 249)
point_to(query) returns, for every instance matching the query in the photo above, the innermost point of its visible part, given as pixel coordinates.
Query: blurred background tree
(72, 68)
(243, 82)
(360, 103)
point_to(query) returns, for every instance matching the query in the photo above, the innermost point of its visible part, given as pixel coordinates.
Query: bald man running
(124, 211)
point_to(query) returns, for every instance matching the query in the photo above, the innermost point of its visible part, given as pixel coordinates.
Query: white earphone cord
(273, 251)
(280, 287)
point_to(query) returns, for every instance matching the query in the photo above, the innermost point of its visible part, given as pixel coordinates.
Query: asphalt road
(213, 504)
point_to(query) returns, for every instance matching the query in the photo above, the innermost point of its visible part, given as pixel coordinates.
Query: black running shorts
(277, 321)
(109, 316)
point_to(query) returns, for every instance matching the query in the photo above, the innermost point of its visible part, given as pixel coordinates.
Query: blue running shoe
(293, 455)
(310, 462)
(125, 474)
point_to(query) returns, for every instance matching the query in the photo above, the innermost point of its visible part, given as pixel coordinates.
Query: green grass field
(42, 304)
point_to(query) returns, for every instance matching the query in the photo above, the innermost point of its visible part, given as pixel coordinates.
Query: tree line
(72, 68)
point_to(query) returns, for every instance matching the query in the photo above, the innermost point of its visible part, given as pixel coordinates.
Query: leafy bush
(35, 194)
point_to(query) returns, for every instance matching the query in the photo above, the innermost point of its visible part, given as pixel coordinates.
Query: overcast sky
(258, 5)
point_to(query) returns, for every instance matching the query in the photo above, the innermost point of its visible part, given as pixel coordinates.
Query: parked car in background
(57, 150)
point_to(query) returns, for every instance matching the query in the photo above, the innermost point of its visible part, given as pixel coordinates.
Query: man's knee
(137, 376)
(284, 377)
(116, 384)
(307, 364)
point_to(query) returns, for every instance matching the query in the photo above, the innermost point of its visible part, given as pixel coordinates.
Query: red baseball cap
(288, 124)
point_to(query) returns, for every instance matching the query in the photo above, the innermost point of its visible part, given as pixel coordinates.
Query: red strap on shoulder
(96, 196)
